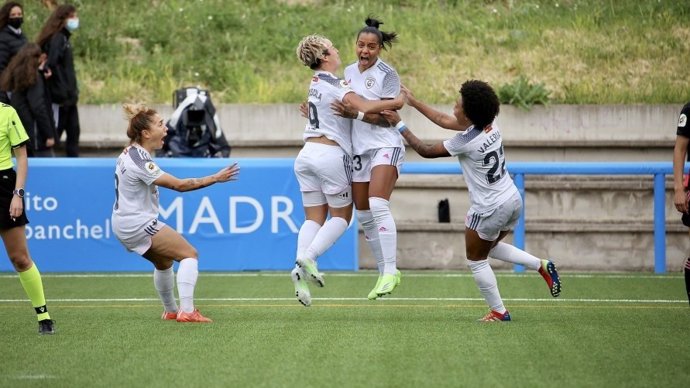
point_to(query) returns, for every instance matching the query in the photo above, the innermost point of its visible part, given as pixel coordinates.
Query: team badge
(682, 120)
(369, 82)
(343, 84)
(314, 79)
(151, 167)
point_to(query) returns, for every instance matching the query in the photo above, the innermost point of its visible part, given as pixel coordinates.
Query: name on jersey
(494, 137)
(315, 93)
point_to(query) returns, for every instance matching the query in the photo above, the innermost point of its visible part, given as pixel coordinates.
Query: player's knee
(191, 253)
(379, 207)
(21, 261)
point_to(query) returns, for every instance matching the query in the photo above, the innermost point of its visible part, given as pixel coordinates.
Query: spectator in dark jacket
(11, 36)
(61, 76)
(23, 77)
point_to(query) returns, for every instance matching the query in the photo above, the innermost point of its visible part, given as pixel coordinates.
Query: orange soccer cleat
(168, 316)
(194, 316)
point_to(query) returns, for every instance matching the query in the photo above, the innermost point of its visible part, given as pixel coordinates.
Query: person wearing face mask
(60, 74)
(24, 79)
(11, 36)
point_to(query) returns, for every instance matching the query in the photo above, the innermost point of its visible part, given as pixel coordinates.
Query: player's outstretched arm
(439, 118)
(226, 174)
(424, 150)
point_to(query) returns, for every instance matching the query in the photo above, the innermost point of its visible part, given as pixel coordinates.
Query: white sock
(515, 255)
(187, 274)
(326, 237)
(380, 209)
(164, 281)
(371, 234)
(306, 235)
(485, 279)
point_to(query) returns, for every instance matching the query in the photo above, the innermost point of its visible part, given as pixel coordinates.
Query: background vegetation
(575, 51)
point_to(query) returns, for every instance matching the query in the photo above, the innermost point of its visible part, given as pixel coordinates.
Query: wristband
(400, 126)
(360, 115)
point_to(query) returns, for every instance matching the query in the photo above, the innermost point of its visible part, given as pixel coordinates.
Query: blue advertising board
(246, 225)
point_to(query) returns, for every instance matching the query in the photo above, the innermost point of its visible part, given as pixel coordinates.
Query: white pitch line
(560, 300)
(357, 274)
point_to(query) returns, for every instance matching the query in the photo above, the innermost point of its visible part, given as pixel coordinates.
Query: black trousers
(68, 121)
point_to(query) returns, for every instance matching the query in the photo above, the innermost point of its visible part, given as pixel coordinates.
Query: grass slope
(581, 51)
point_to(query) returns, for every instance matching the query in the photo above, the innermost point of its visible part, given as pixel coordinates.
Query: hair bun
(132, 110)
(371, 22)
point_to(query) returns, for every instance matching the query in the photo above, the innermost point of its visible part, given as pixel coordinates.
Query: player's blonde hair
(140, 118)
(311, 49)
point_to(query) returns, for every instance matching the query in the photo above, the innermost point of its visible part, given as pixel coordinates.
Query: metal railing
(519, 169)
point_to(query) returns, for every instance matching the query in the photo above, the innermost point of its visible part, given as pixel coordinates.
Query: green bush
(523, 94)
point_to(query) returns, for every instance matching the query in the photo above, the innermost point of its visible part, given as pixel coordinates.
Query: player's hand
(303, 110)
(392, 116)
(343, 110)
(408, 95)
(680, 200)
(229, 173)
(400, 101)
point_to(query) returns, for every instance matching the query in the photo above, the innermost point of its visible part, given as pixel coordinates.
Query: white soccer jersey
(378, 82)
(323, 90)
(136, 197)
(484, 166)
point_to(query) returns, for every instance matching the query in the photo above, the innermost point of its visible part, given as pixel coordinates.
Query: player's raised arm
(439, 118)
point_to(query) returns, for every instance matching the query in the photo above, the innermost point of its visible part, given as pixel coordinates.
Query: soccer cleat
(194, 316)
(301, 287)
(372, 294)
(168, 316)
(387, 285)
(495, 316)
(46, 326)
(549, 273)
(309, 268)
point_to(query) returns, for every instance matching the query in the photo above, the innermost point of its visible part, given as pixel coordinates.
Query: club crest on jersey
(151, 167)
(369, 82)
(314, 79)
(682, 120)
(343, 83)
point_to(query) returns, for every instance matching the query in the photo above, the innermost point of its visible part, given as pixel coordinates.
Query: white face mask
(72, 24)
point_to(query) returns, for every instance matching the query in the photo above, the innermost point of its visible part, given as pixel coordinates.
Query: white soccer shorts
(363, 164)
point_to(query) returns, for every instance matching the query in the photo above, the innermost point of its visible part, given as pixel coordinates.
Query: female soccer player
(13, 219)
(494, 198)
(378, 153)
(135, 213)
(324, 165)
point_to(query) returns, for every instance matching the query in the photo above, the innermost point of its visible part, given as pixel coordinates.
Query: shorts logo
(369, 82)
(682, 120)
(151, 167)
(386, 156)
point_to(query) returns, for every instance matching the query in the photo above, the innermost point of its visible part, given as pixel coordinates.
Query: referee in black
(14, 139)
(680, 181)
